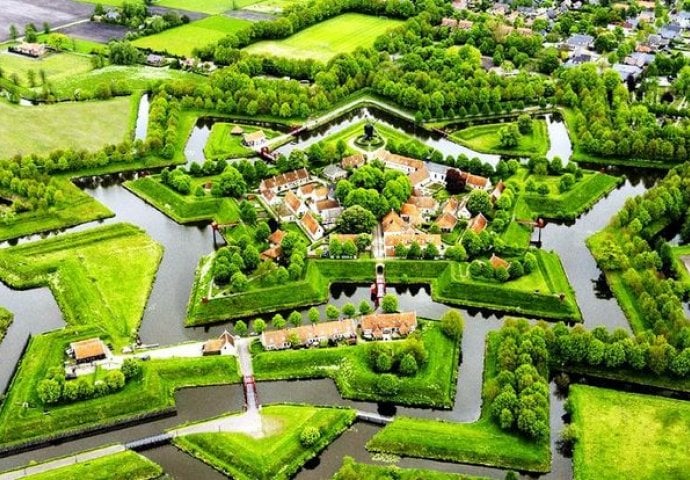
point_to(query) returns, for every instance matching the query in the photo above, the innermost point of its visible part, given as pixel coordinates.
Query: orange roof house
(222, 345)
(478, 224)
(293, 203)
(285, 181)
(88, 350)
(313, 228)
(276, 238)
(497, 262)
(353, 161)
(476, 181)
(310, 335)
(379, 326)
(393, 224)
(447, 222)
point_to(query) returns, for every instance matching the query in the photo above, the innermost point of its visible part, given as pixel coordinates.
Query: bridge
(251, 398)
(374, 418)
(149, 442)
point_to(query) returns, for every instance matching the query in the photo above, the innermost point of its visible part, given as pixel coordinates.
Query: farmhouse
(276, 238)
(33, 50)
(294, 204)
(312, 227)
(310, 335)
(285, 181)
(254, 139)
(474, 182)
(223, 345)
(410, 213)
(87, 351)
(419, 177)
(426, 206)
(386, 326)
(393, 224)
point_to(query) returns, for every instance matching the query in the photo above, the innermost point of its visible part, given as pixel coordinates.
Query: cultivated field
(183, 40)
(631, 436)
(322, 41)
(56, 67)
(55, 12)
(41, 129)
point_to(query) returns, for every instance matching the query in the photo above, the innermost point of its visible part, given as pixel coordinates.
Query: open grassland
(125, 465)
(350, 367)
(25, 421)
(43, 128)
(279, 453)
(482, 442)
(537, 294)
(222, 144)
(485, 139)
(56, 67)
(352, 470)
(99, 277)
(627, 435)
(342, 34)
(76, 208)
(183, 40)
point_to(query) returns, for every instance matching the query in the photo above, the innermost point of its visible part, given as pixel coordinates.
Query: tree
(389, 303)
(349, 310)
(14, 32)
(384, 362)
(229, 184)
(453, 324)
(131, 368)
(387, 384)
(455, 182)
(309, 436)
(240, 328)
(124, 53)
(566, 183)
(408, 365)
(278, 321)
(332, 312)
(295, 319)
(49, 391)
(479, 201)
(259, 326)
(501, 274)
(115, 380)
(262, 232)
(508, 136)
(364, 307)
(356, 219)
(247, 212)
(349, 249)
(314, 315)
(524, 122)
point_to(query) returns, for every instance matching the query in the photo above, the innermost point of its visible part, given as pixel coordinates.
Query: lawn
(389, 134)
(351, 470)
(342, 34)
(279, 453)
(269, 6)
(181, 41)
(57, 67)
(350, 367)
(125, 465)
(222, 144)
(101, 276)
(627, 435)
(76, 125)
(485, 139)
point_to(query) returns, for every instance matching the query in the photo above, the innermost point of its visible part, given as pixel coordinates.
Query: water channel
(36, 311)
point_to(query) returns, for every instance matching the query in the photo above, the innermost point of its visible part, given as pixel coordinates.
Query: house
(406, 239)
(329, 210)
(437, 172)
(478, 224)
(353, 161)
(276, 238)
(498, 191)
(427, 206)
(464, 24)
(87, 351)
(474, 182)
(334, 173)
(310, 335)
(237, 130)
(313, 192)
(223, 345)
(419, 177)
(579, 57)
(670, 31)
(155, 60)
(639, 59)
(497, 262)
(294, 204)
(312, 227)
(682, 18)
(393, 224)
(269, 196)
(579, 41)
(657, 42)
(386, 326)
(449, 22)
(254, 139)
(626, 71)
(33, 50)
(112, 15)
(410, 214)
(446, 222)
(398, 162)
(285, 181)
(272, 254)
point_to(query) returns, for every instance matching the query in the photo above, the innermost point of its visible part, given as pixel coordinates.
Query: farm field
(85, 125)
(322, 41)
(650, 433)
(183, 40)
(57, 67)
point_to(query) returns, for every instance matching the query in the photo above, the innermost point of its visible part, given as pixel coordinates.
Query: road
(62, 462)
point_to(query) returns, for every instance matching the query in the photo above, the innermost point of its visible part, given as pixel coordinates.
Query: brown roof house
(329, 210)
(87, 351)
(497, 262)
(478, 224)
(387, 326)
(353, 161)
(446, 222)
(223, 345)
(312, 227)
(295, 207)
(285, 181)
(310, 335)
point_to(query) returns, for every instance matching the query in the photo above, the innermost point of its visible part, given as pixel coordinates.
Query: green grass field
(349, 134)
(351, 470)
(6, 318)
(341, 34)
(57, 66)
(101, 276)
(126, 465)
(222, 144)
(349, 366)
(277, 455)
(627, 435)
(44, 128)
(183, 40)
(270, 6)
(484, 138)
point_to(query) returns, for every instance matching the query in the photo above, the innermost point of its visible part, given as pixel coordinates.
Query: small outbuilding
(223, 345)
(237, 130)
(87, 351)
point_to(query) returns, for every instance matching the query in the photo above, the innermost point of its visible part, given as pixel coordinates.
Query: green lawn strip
(485, 139)
(125, 465)
(342, 34)
(41, 129)
(350, 368)
(153, 393)
(57, 66)
(181, 41)
(481, 442)
(628, 435)
(76, 208)
(349, 134)
(351, 470)
(279, 454)
(449, 284)
(99, 277)
(222, 144)
(206, 6)
(6, 318)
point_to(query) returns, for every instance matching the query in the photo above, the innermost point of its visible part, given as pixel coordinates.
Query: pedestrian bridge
(375, 418)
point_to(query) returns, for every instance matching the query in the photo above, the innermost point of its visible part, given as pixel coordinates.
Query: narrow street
(378, 248)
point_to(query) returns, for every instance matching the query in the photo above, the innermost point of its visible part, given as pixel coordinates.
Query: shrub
(115, 380)
(384, 362)
(408, 365)
(309, 436)
(131, 368)
(387, 384)
(453, 324)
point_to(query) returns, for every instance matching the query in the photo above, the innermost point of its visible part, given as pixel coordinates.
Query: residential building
(87, 351)
(254, 139)
(285, 181)
(34, 50)
(497, 262)
(478, 224)
(329, 210)
(474, 182)
(406, 239)
(223, 345)
(387, 326)
(398, 162)
(312, 227)
(427, 206)
(437, 172)
(155, 60)
(295, 206)
(446, 222)
(353, 161)
(579, 41)
(334, 173)
(497, 191)
(310, 335)
(410, 213)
